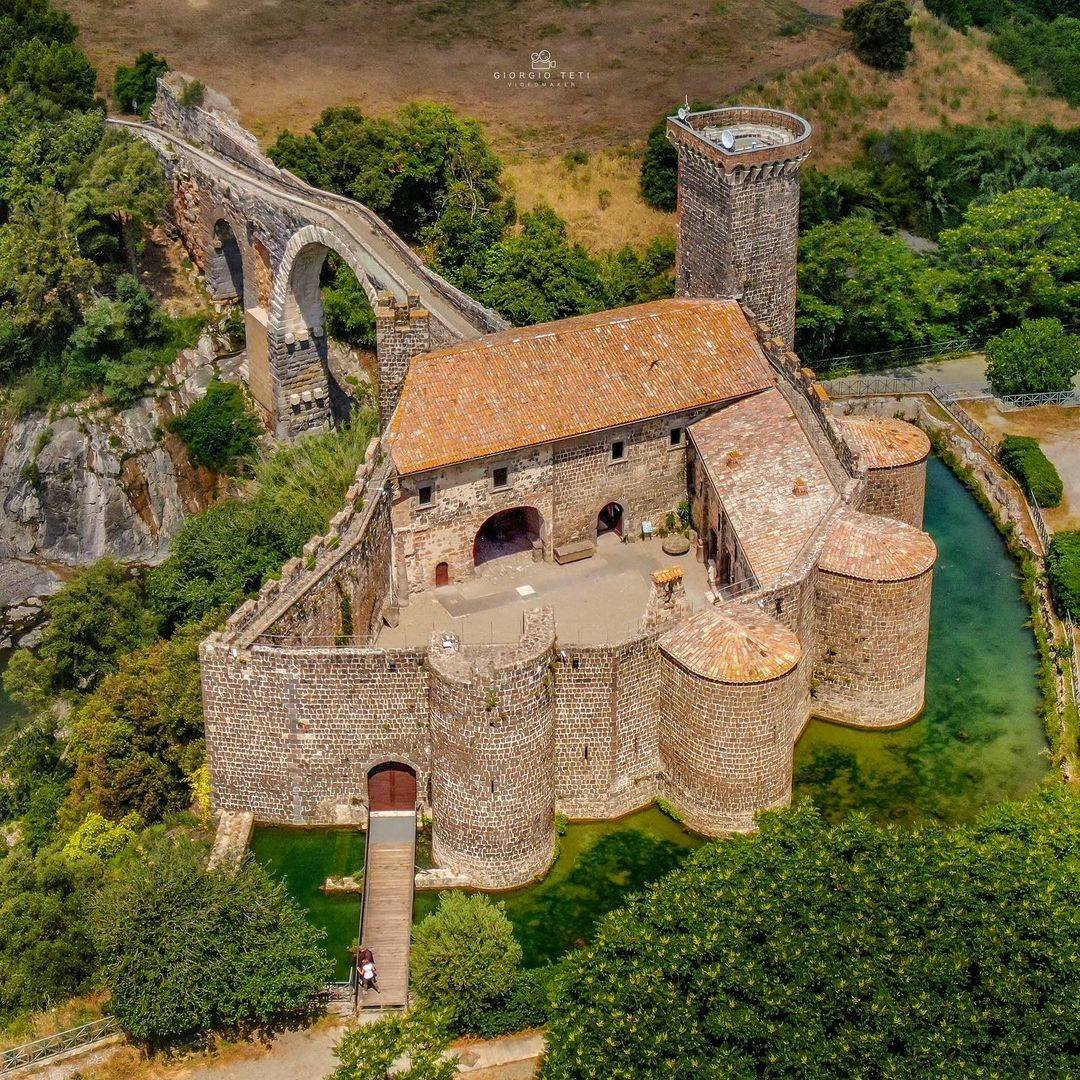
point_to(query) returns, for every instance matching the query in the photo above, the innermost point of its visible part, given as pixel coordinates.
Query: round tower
(872, 608)
(493, 756)
(894, 454)
(733, 699)
(738, 207)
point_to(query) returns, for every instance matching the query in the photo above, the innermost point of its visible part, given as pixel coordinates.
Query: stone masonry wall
(898, 493)
(871, 666)
(402, 331)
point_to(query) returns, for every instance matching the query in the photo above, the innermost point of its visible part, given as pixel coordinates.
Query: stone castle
(560, 453)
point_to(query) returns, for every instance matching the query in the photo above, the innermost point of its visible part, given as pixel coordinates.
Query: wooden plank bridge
(386, 920)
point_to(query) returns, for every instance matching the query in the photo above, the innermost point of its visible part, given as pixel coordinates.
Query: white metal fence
(23, 1057)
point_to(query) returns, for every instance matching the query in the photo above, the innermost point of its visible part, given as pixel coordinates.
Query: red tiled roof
(873, 548)
(756, 453)
(732, 644)
(542, 383)
(886, 442)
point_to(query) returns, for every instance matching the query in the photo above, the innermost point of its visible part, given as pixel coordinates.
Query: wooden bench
(579, 549)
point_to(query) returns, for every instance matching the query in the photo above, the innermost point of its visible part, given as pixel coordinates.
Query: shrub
(219, 430)
(349, 315)
(464, 958)
(135, 87)
(1045, 53)
(1037, 357)
(1063, 570)
(186, 950)
(1023, 457)
(528, 1004)
(372, 1050)
(880, 32)
(805, 950)
(193, 94)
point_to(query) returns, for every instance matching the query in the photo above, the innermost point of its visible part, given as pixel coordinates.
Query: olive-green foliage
(963, 13)
(861, 290)
(92, 621)
(660, 164)
(371, 1050)
(185, 950)
(806, 950)
(1047, 54)
(193, 94)
(880, 32)
(349, 315)
(833, 196)
(135, 87)
(1024, 458)
(33, 779)
(408, 169)
(46, 954)
(1063, 570)
(465, 959)
(1036, 357)
(219, 430)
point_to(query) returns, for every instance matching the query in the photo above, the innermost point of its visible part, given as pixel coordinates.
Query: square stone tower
(738, 209)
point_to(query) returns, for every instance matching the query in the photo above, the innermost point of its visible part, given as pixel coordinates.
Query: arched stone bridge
(260, 234)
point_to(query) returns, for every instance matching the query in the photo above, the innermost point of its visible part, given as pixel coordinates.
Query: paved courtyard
(596, 600)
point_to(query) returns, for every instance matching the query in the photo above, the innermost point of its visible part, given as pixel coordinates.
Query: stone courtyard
(596, 600)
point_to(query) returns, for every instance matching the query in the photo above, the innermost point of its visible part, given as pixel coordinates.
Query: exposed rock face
(95, 482)
(23, 588)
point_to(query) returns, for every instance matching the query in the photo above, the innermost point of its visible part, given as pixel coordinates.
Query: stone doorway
(391, 786)
(507, 534)
(610, 520)
(442, 575)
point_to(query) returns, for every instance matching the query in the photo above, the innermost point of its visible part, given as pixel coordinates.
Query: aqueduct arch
(227, 272)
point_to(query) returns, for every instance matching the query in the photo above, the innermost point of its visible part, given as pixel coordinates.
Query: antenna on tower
(684, 108)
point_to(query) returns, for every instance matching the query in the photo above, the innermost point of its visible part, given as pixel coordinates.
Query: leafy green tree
(136, 742)
(92, 621)
(1036, 357)
(863, 291)
(1018, 257)
(374, 1051)
(465, 958)
(459, 242)
(1024, 458)
(660, 163)
(880, 32)
(185, 950)
(135, 87)
(349, 315)
(30, 763)
(1045, 53)
(99, 838)
(59, 72)
(21, 20)
(804, 950)
(1063, 570)
(219, 430)
(833, 196)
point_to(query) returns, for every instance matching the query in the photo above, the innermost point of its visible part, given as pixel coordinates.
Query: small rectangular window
(425, 494)
(618, 450)
(676, 436)
(500, 477)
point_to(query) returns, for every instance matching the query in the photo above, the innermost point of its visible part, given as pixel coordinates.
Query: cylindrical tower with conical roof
(894, 454)
(732, 701)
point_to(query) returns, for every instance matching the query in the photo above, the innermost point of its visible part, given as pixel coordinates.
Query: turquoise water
(980, 739)
(304, 859)
(599, 864)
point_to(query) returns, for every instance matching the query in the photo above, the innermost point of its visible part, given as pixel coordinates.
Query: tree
(660, 163)
(1018, 257)
(805, 950)
(1063, 570)
(1036, 357)
(349, 315)
(863, 291)
(880, 32)
(57, 71)
(135, 87)
(92, 621)
(219, 430)
(465, 958)
(186, 950)
(374, 1051)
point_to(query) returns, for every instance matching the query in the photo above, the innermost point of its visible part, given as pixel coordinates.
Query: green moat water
(304, 859)
(979, 741)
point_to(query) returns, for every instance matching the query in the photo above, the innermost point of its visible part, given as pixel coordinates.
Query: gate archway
(509, 532)
(391, 786)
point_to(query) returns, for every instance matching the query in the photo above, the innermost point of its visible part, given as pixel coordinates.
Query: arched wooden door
(391, 786)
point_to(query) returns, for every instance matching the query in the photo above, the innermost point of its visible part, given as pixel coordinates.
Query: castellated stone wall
(402, 331)
(899, 492)
(726, 749)
(871, 663)
(493, 753)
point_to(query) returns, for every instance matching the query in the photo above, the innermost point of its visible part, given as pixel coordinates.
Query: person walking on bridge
(368, 976)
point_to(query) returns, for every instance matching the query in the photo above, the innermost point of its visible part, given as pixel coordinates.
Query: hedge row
(1023, 457)
(1063, 569)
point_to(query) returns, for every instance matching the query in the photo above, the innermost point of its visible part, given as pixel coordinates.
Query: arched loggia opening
(391, 786)
(507, 534)
(225, 272)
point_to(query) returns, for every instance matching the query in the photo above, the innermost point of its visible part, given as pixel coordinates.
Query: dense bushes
(135, 87)
(186, 950)
(219, 430)
(809, 950)
(1037, 357)
(1063, 570)
(1023, 457)
(880, 32)
(374, 1051)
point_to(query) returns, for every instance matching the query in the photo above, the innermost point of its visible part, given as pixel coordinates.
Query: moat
(979, 741)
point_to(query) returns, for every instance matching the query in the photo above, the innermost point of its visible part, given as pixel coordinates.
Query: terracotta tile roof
(886, 442)
(732, 644)
(876, 549)
(756, 453)
(542, 383)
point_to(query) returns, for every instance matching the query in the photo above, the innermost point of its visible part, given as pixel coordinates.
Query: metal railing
(22, 1057)
(1030, 401)
(1037, 517)
(1070, 630)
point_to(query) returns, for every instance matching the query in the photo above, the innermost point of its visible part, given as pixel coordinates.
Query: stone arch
(513, 530)
(392, 785)
(422, 772)
(228, 269)
(611, 518)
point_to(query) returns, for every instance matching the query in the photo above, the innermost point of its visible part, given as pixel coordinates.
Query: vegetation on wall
(219, 430)
(804, 948)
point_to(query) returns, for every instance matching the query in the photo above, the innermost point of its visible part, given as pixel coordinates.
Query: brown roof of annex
(886, 442)
(538, 384)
